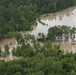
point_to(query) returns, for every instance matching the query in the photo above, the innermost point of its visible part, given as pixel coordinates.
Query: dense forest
(42, 60)
(19, 15)
(37, 59)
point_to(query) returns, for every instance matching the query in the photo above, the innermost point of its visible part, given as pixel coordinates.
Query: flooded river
(65, 17)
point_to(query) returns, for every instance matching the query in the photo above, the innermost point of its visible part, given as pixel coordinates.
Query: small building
(38, 38)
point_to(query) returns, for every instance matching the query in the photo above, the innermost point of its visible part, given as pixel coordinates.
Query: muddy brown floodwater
(7, 41)
(65, 17)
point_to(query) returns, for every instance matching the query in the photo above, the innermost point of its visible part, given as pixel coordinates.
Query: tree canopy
(46, 60)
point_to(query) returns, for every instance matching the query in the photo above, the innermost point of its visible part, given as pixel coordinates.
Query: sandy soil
(8, 58)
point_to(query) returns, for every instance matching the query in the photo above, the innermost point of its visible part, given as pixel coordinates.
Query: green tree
(19, 38)
(0, 51)
(14, 69)
(3, 54)
(7, 49)
(18, 73)
(2, 67)
(72, 72)
(14, 51)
